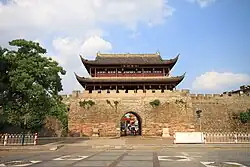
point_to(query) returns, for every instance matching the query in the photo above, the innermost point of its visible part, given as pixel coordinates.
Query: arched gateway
(130, 124)
(121, 76)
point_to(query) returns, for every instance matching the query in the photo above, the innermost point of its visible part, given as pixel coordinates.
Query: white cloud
(214, 81)
(22, 18)
(202, 3)
(94, 44)
(68, 51)
(67, 28)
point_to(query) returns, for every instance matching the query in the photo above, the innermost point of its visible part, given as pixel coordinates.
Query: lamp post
(198, 113)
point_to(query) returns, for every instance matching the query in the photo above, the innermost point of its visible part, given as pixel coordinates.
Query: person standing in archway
(133, 131)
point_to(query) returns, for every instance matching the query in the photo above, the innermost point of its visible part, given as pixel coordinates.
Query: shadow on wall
(51, 128)
(76, 134)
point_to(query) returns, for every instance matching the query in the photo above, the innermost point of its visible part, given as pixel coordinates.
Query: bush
(245, 116)
(155, 103)
(86, 103)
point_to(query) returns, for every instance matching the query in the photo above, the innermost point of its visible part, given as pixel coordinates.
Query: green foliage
(116, 103)
(155, 103)
(109, 103)
(245, 116)
(86, 103)
(30, 82)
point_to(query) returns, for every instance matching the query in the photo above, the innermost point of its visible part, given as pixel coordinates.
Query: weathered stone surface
(177, 112)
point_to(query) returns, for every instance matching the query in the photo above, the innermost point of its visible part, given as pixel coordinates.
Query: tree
(3, 83)
(33, 82)
(245, 116)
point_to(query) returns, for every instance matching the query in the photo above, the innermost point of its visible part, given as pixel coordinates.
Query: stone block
(165, 132)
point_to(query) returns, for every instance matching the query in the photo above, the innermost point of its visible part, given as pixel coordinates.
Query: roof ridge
(128, 55)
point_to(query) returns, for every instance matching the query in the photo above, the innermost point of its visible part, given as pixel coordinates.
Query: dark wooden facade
(129, 72)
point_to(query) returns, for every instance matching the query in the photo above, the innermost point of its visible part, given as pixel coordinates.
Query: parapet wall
(122, 93)
(216, 96)
(150, 93)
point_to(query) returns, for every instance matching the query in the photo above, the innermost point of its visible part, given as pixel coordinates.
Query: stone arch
(139, 119)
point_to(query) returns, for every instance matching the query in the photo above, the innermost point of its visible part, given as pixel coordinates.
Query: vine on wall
(245, 116)
(155, 103)
(115, 103)
(86, 103)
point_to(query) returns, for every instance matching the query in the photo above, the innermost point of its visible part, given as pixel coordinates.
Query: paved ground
(172, 157)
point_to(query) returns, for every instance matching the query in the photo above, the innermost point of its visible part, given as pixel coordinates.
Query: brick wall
(176, 112)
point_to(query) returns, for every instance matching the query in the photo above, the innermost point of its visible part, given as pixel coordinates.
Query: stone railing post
(5, 139)
(205, 138)
(118, 132)
(35, 139)
(235, 137)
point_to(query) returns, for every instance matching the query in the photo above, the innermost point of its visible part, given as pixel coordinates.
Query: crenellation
(200, 96)
(216, 95)
(76, 93)
(187, 91)
(208, 96)
(64, 96)
(148, 93)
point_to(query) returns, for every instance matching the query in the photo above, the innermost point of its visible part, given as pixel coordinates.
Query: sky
(212, 36)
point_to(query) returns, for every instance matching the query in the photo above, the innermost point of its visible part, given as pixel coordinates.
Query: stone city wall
(177, 112)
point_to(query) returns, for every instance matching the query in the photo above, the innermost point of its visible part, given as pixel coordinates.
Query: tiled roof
(162, 80)
(110, 59)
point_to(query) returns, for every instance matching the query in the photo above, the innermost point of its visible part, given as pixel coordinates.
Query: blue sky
(213, 39)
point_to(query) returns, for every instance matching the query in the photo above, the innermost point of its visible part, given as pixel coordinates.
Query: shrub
(245, 116)
(86, 103)
(155, 103)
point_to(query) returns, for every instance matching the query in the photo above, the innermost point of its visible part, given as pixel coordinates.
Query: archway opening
(130, 124)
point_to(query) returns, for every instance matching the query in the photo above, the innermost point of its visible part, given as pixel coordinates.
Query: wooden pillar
(143, 71)
(116, 88)
(116, 72)
(95, 72)
(90, 72)
(94, 87)
(144, 89)
(163, 71)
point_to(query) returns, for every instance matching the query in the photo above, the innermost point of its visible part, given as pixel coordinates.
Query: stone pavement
(174, 157)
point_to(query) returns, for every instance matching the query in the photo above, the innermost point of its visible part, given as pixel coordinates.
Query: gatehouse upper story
(129, 72)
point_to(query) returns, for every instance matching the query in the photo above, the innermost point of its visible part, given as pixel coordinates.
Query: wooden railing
(130, 75)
